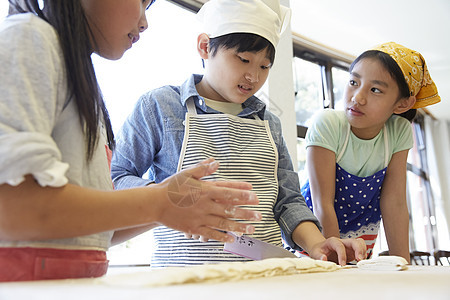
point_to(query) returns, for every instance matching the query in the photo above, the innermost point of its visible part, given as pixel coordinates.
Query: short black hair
(242, 42)
(394, 70)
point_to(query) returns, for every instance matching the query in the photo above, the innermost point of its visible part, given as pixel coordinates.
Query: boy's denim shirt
(150, 141)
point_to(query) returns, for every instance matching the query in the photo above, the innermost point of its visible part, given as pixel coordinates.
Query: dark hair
(69, 20)
(394, 70)
(242, 42)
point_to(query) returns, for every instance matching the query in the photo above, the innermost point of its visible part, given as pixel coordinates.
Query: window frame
(326, 58)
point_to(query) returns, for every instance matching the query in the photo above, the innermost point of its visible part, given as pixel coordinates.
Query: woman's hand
(204, 208)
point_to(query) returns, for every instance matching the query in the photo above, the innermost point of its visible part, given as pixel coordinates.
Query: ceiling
(355, 26)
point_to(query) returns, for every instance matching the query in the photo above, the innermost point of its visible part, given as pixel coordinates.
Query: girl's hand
(204, 208)
(339, 251)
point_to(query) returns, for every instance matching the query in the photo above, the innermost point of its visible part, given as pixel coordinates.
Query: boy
(216, 115)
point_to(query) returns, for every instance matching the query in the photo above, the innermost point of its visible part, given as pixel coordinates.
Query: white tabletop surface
(418, 282)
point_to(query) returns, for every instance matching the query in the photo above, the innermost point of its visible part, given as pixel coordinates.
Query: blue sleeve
(137, 143)
(290, 209)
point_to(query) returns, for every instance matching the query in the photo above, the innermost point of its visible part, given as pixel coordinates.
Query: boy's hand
(339, 251)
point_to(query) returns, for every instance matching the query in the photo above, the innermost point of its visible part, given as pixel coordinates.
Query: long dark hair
(396, 73)
(69, 20)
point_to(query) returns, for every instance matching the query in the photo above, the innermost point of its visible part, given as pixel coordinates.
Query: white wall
(280, 90)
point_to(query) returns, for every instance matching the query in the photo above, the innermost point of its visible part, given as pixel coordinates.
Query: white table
(418, 282)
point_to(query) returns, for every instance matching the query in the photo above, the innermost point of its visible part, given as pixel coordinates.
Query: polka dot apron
(357, 200)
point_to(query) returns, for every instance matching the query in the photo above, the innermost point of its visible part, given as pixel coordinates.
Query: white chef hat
(266, 18)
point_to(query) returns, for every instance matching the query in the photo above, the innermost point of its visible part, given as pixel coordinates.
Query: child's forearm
(32, 212)
(396, 227)
(394, 210)
(306, 235)
(328, 219)
(69, 211)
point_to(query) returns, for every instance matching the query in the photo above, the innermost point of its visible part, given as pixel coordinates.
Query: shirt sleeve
(325, 130)
(31, 72)
(137, 144)
(401, 134)
(290, 209)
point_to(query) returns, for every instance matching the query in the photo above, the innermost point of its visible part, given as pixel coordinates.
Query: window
(309, 94)
(340, 79)
(422, 210)
(318, 83)
(3, 9)
(309, 98)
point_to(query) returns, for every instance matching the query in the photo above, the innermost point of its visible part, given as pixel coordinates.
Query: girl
(174, 127)
(58, 213)
(356, 159)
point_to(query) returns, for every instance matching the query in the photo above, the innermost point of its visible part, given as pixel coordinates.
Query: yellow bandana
(416, 73)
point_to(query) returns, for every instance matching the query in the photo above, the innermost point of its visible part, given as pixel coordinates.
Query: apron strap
(345, 144)
(190, 104)
(386, 147)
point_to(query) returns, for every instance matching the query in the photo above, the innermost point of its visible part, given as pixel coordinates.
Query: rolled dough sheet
(220, 272)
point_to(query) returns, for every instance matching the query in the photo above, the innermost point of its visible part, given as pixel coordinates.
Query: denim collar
(187, 90)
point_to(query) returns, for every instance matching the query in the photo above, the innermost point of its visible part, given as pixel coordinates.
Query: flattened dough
(221, 272)
(384, 263)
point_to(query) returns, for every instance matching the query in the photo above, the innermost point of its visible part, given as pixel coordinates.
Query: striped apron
(357, 200)
(246, 152)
